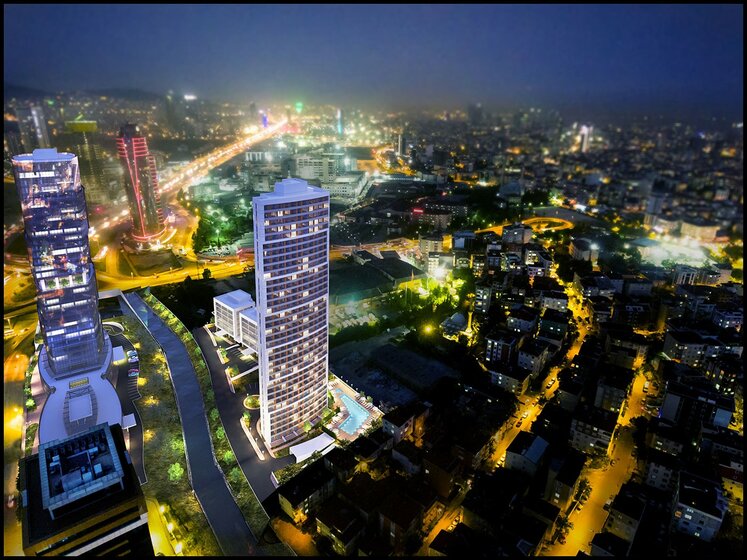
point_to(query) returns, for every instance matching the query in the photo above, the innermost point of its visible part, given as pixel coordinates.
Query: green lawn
(164, 444)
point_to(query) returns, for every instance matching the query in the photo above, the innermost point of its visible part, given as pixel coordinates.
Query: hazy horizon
(672, 60)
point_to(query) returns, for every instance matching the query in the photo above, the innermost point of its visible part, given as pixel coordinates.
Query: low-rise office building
(81, 495)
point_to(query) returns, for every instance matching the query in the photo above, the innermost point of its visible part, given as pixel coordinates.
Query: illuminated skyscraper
(54, 214)
(291, 248)
(340, 123)
(90, 161)
(33, 125)
(141, 183)
(585, 132)
(77, 353)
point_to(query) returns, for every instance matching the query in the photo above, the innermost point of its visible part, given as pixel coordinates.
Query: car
(11, 500)
(526, 413)
(132, 360)
(133, 373)
(131, 353)
(133, 370)
(518, 424)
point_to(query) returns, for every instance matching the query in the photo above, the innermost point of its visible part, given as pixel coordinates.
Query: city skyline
(362, 280)
(608, 59)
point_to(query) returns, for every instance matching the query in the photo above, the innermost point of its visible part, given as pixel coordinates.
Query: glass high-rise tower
(141, 183)
(90, 160)
(291, 253)
(33, 125)
(53, 206)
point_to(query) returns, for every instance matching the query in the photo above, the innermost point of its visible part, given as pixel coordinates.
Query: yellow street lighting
(170, 527)
(178, 548)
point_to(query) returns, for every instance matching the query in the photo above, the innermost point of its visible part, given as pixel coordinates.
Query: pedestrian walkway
(226, 520)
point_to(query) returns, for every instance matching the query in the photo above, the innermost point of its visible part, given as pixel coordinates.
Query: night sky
(642, 57)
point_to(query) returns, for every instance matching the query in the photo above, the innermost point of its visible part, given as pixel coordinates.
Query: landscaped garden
(251, 402)
(163, 444)
(250, 506)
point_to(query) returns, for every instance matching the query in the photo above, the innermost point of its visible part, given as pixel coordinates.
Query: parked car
(133, 373)
(132, 360)
(526, 413)
(518, 424)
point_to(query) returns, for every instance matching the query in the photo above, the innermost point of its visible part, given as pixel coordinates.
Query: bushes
(30, 435)
(289, 471)
(176, 472)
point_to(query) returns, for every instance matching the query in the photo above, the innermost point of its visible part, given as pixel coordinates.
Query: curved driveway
(231, 408)
(231, 531)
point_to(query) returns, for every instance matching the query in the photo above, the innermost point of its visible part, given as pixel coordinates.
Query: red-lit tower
(141, 183)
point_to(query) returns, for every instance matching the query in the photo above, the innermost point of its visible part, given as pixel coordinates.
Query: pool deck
(340, 417)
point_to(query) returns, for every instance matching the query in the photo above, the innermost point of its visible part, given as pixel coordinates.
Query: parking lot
(128, 392)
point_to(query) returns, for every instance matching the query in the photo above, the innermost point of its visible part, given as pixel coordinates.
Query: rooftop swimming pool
(358, 414)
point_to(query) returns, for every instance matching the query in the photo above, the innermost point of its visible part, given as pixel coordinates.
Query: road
(14, 370)
(605, 483)
(231, 409)
(454, 509)
(536, 222)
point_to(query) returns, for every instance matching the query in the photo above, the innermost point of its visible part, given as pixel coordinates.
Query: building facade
(55, 217)
(291, 248)
(141, 183)
(33, 127)
(90, 161)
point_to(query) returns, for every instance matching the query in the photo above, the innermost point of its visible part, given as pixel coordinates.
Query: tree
(235, 475)
(220, 433)
(228, 456)
(177, 445)
(176, 472)
(214, 414)
(206, 274)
